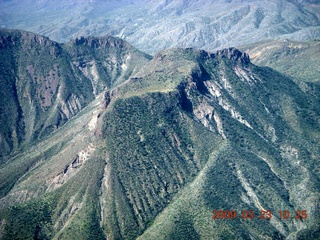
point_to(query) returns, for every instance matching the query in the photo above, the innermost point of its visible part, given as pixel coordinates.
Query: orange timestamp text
(264, 214)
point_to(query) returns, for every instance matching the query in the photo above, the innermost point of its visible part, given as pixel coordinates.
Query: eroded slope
(190, 132)
(44, 84)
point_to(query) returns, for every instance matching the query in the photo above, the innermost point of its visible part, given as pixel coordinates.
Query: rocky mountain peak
(235, 55)
(28, 41)
(37, 39)
(104, 42)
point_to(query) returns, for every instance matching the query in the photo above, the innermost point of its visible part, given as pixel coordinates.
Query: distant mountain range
(99, 140)
(152, 25)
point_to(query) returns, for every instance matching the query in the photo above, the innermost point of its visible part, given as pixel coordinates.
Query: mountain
(152, 25)
(299, 60)
(155, 153)
(44, 84)
(106, 61)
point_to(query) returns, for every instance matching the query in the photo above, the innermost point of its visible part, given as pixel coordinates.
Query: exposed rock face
(235, 55)
(71, 169)
(102, 42)
(107, 61)
(45, 84)
(42, 84)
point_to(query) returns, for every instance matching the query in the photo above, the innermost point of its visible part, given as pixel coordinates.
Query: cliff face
(43, 85)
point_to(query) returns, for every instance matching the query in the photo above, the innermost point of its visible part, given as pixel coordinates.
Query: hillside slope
(152, 157)
(44, 84)
(299, 60)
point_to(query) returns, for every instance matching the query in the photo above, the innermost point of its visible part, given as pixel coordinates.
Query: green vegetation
(153, 153)
(29, 221)
(44, 84)
(299, 60)
(152, 157)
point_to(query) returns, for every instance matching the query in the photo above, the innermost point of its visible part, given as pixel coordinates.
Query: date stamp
(264, 215)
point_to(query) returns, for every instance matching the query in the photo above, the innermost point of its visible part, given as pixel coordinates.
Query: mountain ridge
(51, 72)
(152, 155)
